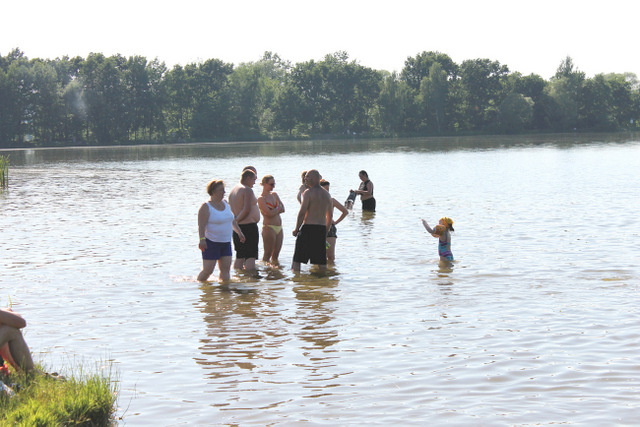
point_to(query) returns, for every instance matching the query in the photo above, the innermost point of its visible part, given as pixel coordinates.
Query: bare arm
(238, 230)
(430, 230)
(304, 206)
(280, 204)
(329, 213)
(341, 208)
(267, 210)
(9, 318)
(301, 191)
(203, 218)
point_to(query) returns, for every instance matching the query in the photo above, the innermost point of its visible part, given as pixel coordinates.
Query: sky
(527, 36)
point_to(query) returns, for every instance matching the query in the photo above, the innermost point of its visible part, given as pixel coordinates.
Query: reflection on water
(536, 322)
(307, 148)
(229, 343)
(314, 312)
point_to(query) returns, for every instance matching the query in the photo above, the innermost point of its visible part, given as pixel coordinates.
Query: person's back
(319, 204)
(312, 224)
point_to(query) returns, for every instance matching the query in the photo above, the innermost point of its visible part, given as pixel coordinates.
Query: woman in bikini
(271, 207)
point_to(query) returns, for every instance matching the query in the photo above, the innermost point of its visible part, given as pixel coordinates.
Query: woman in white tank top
(216, 224)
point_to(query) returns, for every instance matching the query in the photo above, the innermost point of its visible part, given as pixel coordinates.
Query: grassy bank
(86, 399)
(4, 171)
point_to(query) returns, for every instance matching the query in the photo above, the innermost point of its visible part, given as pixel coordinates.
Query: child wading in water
(443, 233)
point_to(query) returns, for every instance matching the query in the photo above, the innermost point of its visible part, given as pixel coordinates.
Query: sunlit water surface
(536, 323)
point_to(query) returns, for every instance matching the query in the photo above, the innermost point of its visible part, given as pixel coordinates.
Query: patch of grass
(82, 399)
(4, 171)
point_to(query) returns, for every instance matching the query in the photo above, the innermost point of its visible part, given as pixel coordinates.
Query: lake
(537, 322)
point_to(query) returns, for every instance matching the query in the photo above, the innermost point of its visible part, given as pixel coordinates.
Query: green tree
(287, 106)
(434, 93)
(595, 110)
(336, 94)
(11, 100)
(48, 107)
(212, 106)
(482, 82)
(416, 69)
(105, 98)
(253, 89)
(533, 86)
(625, 105)
(181, 97)
(392, 103)
(142, 81)
(515, 113)
(76, 112)
(307, 78)
(565, 89)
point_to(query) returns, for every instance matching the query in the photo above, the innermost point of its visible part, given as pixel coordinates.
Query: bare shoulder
(233, 192)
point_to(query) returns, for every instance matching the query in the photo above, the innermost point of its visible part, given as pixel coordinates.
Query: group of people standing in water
(220, 222)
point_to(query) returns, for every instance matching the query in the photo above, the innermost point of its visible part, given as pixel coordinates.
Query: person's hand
(202, 245)
(295, 233)
(242, 238)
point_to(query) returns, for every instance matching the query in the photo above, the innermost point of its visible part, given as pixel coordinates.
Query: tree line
(100, 100)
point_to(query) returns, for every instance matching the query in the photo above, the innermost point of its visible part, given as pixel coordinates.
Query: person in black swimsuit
(365, 191)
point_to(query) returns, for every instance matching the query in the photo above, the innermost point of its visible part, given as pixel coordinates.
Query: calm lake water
(536, 323)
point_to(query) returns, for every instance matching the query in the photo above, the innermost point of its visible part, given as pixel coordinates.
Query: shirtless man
(13, 347)
(244, 206)
(314, 219)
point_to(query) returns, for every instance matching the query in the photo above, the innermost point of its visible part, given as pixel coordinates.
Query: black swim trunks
(369, 205)
(248, 249)
(311, 245)
(333, 231)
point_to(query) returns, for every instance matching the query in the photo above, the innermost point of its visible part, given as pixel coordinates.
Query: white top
(220, 224)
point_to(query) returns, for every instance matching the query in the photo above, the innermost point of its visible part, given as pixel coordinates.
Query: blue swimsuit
(444, 250)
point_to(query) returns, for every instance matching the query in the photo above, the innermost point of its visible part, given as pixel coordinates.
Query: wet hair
(211, 187)
(324, 183)
(266, 179)
(363, 172)
(303, 175)
(247, 173)
(250, 168)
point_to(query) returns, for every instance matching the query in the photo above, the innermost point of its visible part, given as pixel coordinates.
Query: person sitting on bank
(13, 347)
